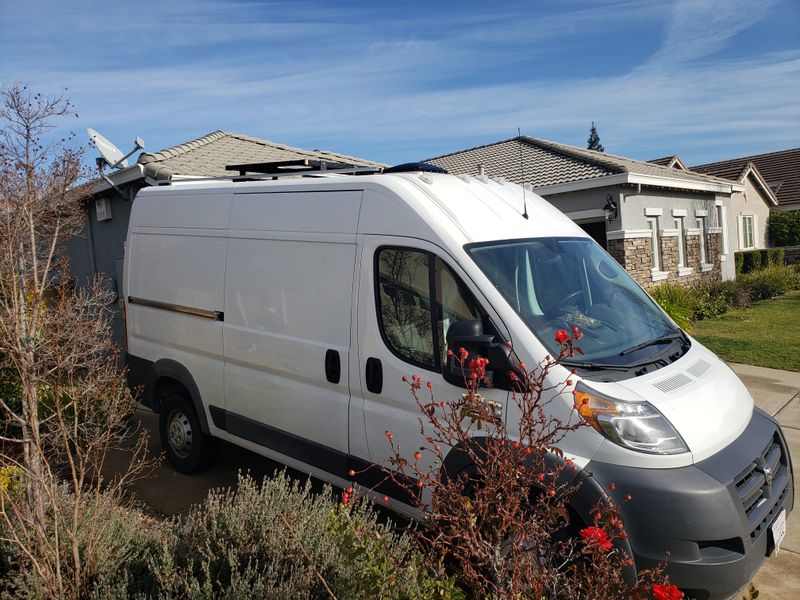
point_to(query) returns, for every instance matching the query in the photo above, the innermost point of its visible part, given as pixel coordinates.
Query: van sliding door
(288, 304)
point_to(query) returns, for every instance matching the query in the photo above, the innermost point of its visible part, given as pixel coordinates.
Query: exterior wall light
(610, 208)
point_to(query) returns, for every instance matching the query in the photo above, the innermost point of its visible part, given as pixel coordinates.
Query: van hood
(701, 396)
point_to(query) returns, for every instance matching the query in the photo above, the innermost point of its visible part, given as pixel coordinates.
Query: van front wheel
(187, 448)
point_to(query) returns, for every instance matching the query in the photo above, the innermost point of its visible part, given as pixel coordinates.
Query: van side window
(404, 304)
(414, 328)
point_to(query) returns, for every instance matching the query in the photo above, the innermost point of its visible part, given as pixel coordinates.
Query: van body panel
(276, 338)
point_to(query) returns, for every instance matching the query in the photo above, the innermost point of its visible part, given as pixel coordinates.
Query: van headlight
(633, 425)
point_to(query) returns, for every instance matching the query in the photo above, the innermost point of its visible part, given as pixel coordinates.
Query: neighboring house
(780, 170)
(101, 248)
(664, 223)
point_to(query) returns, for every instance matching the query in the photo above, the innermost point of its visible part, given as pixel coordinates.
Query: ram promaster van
(281, 314)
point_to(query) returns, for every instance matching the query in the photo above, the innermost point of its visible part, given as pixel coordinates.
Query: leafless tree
(72, 406)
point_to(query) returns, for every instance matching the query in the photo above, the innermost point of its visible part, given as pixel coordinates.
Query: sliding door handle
(374, 375)
(333, 366)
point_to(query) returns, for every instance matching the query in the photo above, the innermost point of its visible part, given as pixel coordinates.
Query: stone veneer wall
(635, 255)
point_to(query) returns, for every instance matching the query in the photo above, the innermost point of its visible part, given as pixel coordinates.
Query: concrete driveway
(777, 392)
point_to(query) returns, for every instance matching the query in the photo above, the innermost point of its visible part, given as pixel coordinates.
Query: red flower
(561, 336)
(666, 592)
(597, 537)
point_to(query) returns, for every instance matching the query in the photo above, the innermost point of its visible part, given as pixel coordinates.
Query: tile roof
(669, 161)
(781, 171)
(207, 156)
(551, 163)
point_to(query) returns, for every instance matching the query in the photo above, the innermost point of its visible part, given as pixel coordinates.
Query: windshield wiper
(659, 340)
(593, 365)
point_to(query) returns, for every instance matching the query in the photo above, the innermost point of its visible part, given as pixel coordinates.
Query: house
(661, 222)
(780, 170)
(101, 247)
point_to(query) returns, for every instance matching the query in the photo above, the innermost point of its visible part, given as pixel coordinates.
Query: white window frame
(722, 217)
(655, 240)
(679, 226)
(701, 225)
(751, 243)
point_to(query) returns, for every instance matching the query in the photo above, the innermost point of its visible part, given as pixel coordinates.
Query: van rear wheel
(188, 449)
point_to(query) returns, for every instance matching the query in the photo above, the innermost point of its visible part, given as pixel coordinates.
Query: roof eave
(642, 179)
(121, 177)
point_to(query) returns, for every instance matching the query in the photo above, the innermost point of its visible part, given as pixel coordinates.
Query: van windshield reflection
(557, 283)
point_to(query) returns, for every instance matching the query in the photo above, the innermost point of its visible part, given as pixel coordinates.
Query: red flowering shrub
(503, 526)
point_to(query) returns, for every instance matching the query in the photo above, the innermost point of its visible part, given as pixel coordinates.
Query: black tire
(188, 449)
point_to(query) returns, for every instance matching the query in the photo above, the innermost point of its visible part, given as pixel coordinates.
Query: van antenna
(522, 166)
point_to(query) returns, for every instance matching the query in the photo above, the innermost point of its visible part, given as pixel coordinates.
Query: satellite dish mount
(111, 156)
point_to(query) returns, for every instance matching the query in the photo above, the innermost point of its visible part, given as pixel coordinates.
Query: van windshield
(557, 283)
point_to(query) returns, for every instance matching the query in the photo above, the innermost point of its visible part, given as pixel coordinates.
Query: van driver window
(405, 304)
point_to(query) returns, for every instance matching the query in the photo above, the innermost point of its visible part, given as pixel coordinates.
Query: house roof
(781, 171)
(673, 161)
(551, 167)
(207, 157)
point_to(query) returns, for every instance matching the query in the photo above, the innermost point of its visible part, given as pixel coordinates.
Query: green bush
(278, 540)
(765, 257)
(751, 261)
(738, 258)
(783, 228)
(770, 282)
(713, 299)
(677, 301)
(777, 256)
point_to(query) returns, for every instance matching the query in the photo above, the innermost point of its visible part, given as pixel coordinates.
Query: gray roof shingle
(207, 156)
(550, 163)
(781, 171)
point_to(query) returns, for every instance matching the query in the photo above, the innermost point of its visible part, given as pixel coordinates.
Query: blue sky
(707, 79)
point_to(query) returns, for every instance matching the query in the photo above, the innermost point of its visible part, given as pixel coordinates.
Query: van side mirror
(469, 335)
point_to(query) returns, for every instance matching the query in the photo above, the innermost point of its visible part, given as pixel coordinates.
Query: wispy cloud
(400, 82)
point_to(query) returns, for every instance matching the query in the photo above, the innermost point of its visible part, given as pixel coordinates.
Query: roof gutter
(640, 179)
(118, 178)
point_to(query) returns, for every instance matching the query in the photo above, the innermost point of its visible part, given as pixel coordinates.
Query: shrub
(751, 261)
(738, 259)
(677, 301)
(278, 540)
(770, 282)
(783, 228)
(712, 300)
(777, 257)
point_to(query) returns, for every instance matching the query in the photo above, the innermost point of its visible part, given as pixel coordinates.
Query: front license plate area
(778, 531)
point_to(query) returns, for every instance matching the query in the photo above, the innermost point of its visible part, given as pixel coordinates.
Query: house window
(722, 221)
(652, 224)
(748, 232)
(701, 225)
(681, 241)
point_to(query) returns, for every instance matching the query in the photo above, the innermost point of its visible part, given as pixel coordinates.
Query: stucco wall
(750, 202)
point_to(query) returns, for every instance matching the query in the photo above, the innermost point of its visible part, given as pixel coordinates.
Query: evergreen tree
(593, 143)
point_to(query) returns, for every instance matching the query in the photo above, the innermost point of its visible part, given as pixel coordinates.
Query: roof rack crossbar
(291, 167)
(276, 175)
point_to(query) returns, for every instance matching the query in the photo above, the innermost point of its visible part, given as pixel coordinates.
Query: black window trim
(377, 292)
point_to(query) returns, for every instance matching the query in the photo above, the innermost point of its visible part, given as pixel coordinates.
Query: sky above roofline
(705, 79)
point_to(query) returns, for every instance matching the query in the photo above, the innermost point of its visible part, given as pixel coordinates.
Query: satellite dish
(111, 155)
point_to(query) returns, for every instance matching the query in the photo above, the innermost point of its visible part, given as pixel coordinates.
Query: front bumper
(712, 517)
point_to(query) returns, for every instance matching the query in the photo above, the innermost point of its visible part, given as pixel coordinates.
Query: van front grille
(761, 487)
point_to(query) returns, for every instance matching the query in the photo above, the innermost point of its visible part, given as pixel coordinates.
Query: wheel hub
(180, 433)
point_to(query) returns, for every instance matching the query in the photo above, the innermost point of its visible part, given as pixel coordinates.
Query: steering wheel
(565, 301)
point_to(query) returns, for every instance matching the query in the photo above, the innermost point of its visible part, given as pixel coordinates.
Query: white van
(281, 315)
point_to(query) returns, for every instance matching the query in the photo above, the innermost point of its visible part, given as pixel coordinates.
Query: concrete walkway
(778, 393)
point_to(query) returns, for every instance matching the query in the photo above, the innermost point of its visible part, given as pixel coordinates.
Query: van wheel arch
(172, 377)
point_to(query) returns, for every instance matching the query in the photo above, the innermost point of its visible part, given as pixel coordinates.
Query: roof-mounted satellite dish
(109, 154)
(112, 156)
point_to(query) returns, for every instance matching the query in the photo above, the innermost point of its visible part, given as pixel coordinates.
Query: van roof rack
(301, 166)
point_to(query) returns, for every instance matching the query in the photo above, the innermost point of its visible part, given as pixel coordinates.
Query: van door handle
(374, 375)
(333, 366)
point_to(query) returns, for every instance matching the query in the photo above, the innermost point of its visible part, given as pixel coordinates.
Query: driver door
(408, 298)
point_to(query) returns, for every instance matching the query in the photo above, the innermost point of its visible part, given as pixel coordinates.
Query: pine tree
(593, 143)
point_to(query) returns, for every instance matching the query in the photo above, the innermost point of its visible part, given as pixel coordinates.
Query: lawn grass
(766, 334)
